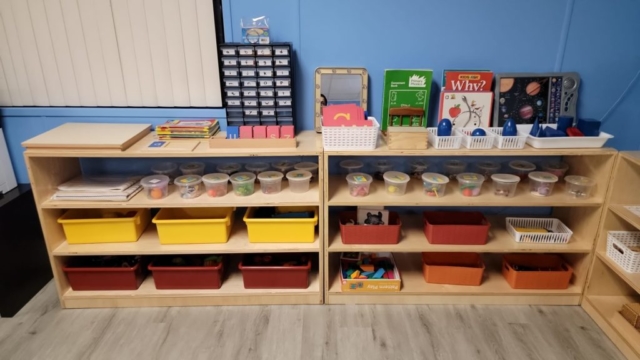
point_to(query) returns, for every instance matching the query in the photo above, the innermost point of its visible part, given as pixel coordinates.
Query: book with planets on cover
(524, 99)
(466, 109)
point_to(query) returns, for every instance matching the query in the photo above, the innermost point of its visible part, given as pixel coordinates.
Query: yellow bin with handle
(282, 230)
(93, 226)
(194, 225)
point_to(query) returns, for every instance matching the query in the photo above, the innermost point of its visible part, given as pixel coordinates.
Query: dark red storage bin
(186, 277)
(369, 234)
(274, 277)
(105, 278)
(456, 228)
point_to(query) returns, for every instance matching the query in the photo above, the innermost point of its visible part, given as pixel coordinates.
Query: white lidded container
(299, 180)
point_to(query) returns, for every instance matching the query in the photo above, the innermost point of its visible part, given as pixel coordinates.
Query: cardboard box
(373, 285)
(406, 90)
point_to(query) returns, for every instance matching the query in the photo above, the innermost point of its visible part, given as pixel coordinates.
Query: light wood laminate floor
(43, 331)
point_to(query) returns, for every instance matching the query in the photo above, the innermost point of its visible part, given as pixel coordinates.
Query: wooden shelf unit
(49, 168)
(609, 286)
(582, 216)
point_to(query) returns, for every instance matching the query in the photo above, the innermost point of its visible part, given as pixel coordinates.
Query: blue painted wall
(598, 39)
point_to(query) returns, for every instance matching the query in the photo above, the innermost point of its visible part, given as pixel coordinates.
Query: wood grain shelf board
(149, 244)
(632, 279)
(633, 156)
(412, 239)
(339, 196)
(140, 200)
(626, 214)
(604, 310)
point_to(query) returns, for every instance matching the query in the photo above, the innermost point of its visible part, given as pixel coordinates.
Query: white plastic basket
(444, 142)
(566, 142)
(560, 232)
(634, 209)
(618, 249)
(507, 142)
(351, 138)
(475, 142)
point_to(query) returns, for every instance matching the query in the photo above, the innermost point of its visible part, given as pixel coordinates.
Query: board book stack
(187, 129)
(466, 98)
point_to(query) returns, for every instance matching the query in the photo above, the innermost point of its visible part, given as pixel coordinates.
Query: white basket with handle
(444, 142)
(560, 233)
(507, 142)
(475, 142)
(619, 249)
(351, 138)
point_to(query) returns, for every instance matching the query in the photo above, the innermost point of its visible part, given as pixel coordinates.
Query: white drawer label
(282, 52)
(284, 92)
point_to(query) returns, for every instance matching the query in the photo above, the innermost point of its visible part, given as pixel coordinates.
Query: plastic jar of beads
(487, 168)
(229, 169)
(382, 166)
(521, 168)
(190, 186)
(257, 167)
(396, 182)
(166, 168)
(556, 168)
(308, 166)
(579, 187)
(192, 168)
(470, 183)
(351, 166)
(359, 184)
(434, 184)
(541, 183)
(243, 183)
(299, 181)
(156, 186)
(270, 182)
(454, 167)
(505, 184)
(217, 184)
(417, 168)
(283, 166)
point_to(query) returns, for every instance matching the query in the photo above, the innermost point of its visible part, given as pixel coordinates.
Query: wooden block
(221, 142)
(246, 132)
(286, 132)
(273, 132)
(406, 138)
(233, 132)
(367, 267)
(259, 132)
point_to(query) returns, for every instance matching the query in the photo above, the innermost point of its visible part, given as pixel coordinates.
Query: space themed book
(467, 109)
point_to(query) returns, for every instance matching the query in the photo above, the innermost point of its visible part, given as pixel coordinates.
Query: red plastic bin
(369, 234)
(557, 278)
(274, 277)
(187, 277)
(105, 278)
(456, 228)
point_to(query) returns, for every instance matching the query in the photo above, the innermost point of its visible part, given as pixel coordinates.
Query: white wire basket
(475, 142)
(560, 233)
(351, 138)
(619, 244)
(444, 142)
(507, 142)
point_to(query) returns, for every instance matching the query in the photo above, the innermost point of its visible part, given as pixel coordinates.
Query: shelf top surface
(626, 214)
(632, 279)
(633, 156)
(309, 144)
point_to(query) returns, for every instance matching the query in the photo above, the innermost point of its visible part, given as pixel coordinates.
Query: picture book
(187, 124)
(405, 99)
(466, 109)
(467, 80)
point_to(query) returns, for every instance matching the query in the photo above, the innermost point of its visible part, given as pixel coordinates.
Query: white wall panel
(159, 52)
(209, 51)
(8, 69)
(16, 52)
(88, 18)
(175, 46)
(193, 58)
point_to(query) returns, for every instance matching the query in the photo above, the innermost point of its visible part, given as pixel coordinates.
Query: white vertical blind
(154, 53)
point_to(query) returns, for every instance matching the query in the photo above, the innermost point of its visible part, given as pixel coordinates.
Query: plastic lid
(470, 178)
(522, 165)
(435, 178)
(505, 178)
(165, 166)
(229, 167)
(455, 163)
(215, 178)
(306, 166)
(270, 175)
(488, 165)
(556, 166)
(282, 165)
(359, 178)
(396, 177)
(155, 181)
(296, 175)
(351, 164)
(258, 166)
(186, 180)
(419, 164)
(579, 180)
(543, 176)
(243, 177)
(192, 166)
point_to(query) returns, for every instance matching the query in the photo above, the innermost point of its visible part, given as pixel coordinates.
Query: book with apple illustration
(405, 98)
(466, 109)
(467, 80)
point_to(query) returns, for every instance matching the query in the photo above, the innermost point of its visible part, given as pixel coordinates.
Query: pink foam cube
(246, 132)
(286, 132)
(259, 132)
(273, 132)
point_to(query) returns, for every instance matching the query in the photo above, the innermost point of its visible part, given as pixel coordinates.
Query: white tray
(560, 235)
(564, 142)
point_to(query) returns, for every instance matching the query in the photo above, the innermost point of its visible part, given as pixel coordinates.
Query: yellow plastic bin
(194, 225)
(282, 230)
(91, 226)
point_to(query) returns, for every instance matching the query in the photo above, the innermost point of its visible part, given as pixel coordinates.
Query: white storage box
(560, 232)
(619, 244)
(507, 142)
(444, 142)
(475, 142)
(351, 138)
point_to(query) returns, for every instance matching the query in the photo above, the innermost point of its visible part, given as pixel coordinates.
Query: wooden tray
(90, 136)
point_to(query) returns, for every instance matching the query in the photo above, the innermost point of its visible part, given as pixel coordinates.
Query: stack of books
(187, 129)
(105, 188)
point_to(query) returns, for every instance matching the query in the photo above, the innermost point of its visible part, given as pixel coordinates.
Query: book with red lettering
(467, 80)
(466, 109)
(344, 115)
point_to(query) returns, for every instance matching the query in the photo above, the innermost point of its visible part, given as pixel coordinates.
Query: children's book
(466, 109)
(405, 99)
(467, 80)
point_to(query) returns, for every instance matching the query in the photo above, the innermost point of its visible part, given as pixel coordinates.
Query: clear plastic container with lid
(308, 166)
(299, 180)
(382, 166)
(521, 168)
(396, 182)
(487, 168)
(556, 168)
(243, 183)
(192, 168)
(470, 183)
(359, 184)
(169, 169)
(351, 166)
(156, 186)
(270, 182)
(417, 168)
(190, 186)
(454, 167)
(505, 184)
(229, 169)
(257, 167)
(434, 184)
(217, 184)
(283, 166)
(541, 183)
(579, 187)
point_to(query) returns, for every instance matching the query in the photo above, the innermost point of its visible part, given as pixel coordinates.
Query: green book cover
(405, 101)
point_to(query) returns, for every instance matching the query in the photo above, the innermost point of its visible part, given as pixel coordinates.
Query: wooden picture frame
(337, 71)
